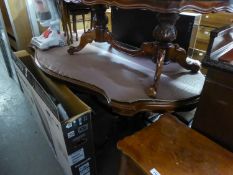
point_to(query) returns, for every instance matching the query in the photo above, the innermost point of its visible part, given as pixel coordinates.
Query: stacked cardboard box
(68, 129)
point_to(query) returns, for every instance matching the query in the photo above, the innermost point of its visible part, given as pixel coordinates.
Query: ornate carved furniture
(171, 148)
(214, 114)
(164, 33)
(120, 81)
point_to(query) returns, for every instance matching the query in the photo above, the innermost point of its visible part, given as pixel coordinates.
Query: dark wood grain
(166, 6)
(172, 148)
(214, 116)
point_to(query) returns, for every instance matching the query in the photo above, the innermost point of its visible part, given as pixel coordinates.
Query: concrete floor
(23, 149)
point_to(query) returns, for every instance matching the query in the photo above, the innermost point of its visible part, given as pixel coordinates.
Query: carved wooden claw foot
(151, 92)
(87, 37)
(71, 50)
(178, 54)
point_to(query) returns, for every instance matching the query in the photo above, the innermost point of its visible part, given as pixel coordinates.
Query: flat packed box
(63, 118)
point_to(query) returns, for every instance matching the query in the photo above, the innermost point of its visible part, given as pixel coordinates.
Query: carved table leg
(159, 66)
(96, 34)
(87, 37)
(100, 33)
(165, 33)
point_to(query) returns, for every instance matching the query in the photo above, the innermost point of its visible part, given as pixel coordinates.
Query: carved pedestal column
(100, 22)
(164, 33)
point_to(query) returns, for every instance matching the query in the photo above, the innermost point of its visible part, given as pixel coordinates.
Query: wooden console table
(164, 33)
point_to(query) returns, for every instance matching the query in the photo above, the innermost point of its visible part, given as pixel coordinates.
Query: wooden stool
(168, 147)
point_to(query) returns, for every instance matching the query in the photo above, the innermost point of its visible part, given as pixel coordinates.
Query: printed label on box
(84, 169)
(76, 157)
(70, 134)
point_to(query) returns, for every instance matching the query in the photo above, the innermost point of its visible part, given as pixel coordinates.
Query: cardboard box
(69, 131)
